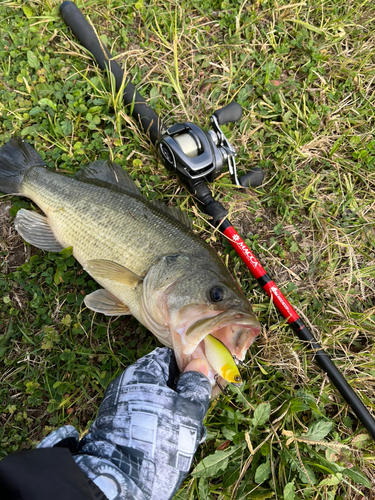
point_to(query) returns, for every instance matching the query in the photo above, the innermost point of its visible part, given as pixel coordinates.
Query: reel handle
(254, 178)
(232, 112)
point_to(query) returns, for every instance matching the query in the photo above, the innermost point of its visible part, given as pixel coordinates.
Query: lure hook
(216, 378)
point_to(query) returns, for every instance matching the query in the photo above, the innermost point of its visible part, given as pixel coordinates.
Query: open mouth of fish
(235, 330)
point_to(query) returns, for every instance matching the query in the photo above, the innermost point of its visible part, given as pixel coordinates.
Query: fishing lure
(221, 360)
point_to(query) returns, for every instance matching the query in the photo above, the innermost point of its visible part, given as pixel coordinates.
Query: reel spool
(195, 154)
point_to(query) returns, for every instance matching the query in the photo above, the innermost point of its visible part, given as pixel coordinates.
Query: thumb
(197, 365)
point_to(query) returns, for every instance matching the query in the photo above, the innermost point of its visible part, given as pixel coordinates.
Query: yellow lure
(221, 360)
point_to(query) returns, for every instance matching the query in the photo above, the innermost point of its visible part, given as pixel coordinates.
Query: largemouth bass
(148, 261)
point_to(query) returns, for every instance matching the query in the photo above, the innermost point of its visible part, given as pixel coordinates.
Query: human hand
(147, 432)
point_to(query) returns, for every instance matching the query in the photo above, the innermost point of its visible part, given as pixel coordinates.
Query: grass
(304, 73)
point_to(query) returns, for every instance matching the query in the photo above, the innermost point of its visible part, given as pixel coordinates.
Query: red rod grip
(244, 252)
(280, 301)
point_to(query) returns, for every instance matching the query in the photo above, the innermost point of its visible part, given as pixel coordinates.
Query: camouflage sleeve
(143, 441)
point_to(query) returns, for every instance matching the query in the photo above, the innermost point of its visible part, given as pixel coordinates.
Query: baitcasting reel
(198, 155)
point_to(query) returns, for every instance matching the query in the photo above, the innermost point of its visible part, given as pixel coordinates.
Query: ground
(304, 74)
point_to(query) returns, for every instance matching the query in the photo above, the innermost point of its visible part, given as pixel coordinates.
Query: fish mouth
(237, 331)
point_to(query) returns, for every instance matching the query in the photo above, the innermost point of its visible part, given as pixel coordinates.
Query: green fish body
(148, 261)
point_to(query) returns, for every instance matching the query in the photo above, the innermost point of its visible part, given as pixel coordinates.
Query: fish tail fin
(16, 158)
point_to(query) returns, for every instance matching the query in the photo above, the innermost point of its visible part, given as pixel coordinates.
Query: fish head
(186, 297)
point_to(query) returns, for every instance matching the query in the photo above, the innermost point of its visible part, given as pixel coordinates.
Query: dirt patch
(13, 251)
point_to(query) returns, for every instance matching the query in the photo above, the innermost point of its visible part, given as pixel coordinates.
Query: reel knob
(254, 178)
(232, 112)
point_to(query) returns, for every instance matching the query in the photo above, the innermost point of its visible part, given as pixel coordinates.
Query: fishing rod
(198, 157)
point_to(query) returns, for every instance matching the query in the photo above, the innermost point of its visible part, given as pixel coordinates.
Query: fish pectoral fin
(106, 269)
(104, 302)
(35, 229)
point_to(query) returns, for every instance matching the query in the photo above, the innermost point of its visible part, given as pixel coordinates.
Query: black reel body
(189, 151)
(198, 155)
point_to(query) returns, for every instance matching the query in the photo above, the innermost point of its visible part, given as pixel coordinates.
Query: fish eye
(237, 379)
(216, 294)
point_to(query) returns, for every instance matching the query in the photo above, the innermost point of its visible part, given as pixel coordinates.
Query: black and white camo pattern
(143, 441)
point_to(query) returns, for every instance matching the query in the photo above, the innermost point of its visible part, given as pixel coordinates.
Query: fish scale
(67, 203)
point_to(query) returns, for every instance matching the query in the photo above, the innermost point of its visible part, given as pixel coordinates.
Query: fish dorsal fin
(111, 173)
(106, 269)
(104, 302)
(174, 212)
(108, 171)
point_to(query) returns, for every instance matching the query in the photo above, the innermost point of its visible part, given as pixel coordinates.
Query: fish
(144, 254)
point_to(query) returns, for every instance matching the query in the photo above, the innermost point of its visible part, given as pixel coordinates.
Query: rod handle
(138, 108)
